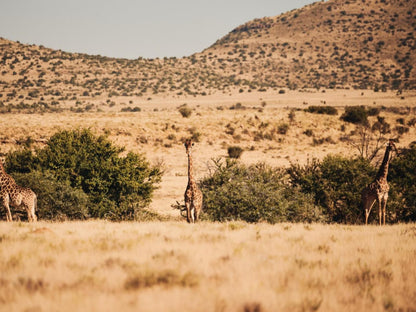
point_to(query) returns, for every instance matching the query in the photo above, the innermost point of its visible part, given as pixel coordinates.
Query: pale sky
(131, 28)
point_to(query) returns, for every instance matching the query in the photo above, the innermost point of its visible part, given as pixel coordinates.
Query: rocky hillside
(365, 44)
(341, 43)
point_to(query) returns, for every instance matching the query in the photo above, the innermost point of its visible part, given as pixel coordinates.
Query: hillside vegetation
(333, 44)
(365, 44)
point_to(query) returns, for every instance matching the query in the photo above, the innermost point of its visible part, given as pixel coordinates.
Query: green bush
(336, 183)
(356, 115)
(234, 151)
(92, 164)
(373, 111)
(327, 110)
(402, 177)
(131, 109)
(283, 128)
(253, 194)
(185, 111)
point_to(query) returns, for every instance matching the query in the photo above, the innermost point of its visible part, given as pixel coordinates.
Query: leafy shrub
(381, 126)
(355, 115)
(320, 141)
(283, 128)
(253, 194)
(327, 110)
(235, 151)
(373, 111)
(411, 122)
(401, 130)
(92, 164)
(402, 176)
(237, 106)
(131, 109)
(308, 132)
(185, 111)
(336, 183)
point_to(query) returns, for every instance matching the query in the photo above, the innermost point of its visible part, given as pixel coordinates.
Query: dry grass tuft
(166, 278)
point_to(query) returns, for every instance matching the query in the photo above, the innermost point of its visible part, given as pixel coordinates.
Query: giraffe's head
(188, 146)
(391, 145)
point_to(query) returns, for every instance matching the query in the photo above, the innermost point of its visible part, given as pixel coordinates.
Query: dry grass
(159, 129)
(171, 266)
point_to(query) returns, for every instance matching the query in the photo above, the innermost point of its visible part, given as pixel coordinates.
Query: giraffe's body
(16, 196)
(193, 195)
(378, 190)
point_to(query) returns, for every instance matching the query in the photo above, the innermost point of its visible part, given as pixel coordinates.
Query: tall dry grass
(173, 266)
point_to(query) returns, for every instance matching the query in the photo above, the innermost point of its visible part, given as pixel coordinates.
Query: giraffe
(11, 193)
(193, 195)
(378, 190)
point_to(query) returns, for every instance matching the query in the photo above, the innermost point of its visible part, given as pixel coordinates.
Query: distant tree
(369, 139)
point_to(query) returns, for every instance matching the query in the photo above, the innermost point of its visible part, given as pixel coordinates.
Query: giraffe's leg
(367, 210)
(379, 210)
(26, 206)
(35, 202)
(34, 218)
(193, 212)
(30, 217)
(384, 210)
(188, 211)
(30, 207)
(6, 204)
(197, 210)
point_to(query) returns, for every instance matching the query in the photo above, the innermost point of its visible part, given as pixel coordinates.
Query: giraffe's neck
(384, 168)
(190, 170)
(3, 173)
(4, 177)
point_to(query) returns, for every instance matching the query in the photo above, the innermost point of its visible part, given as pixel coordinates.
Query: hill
(363, 44)
(334, 44)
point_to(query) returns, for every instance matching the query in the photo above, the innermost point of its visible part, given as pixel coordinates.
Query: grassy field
(173, 266)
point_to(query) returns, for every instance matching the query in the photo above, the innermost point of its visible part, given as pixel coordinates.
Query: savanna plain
(235, 266)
